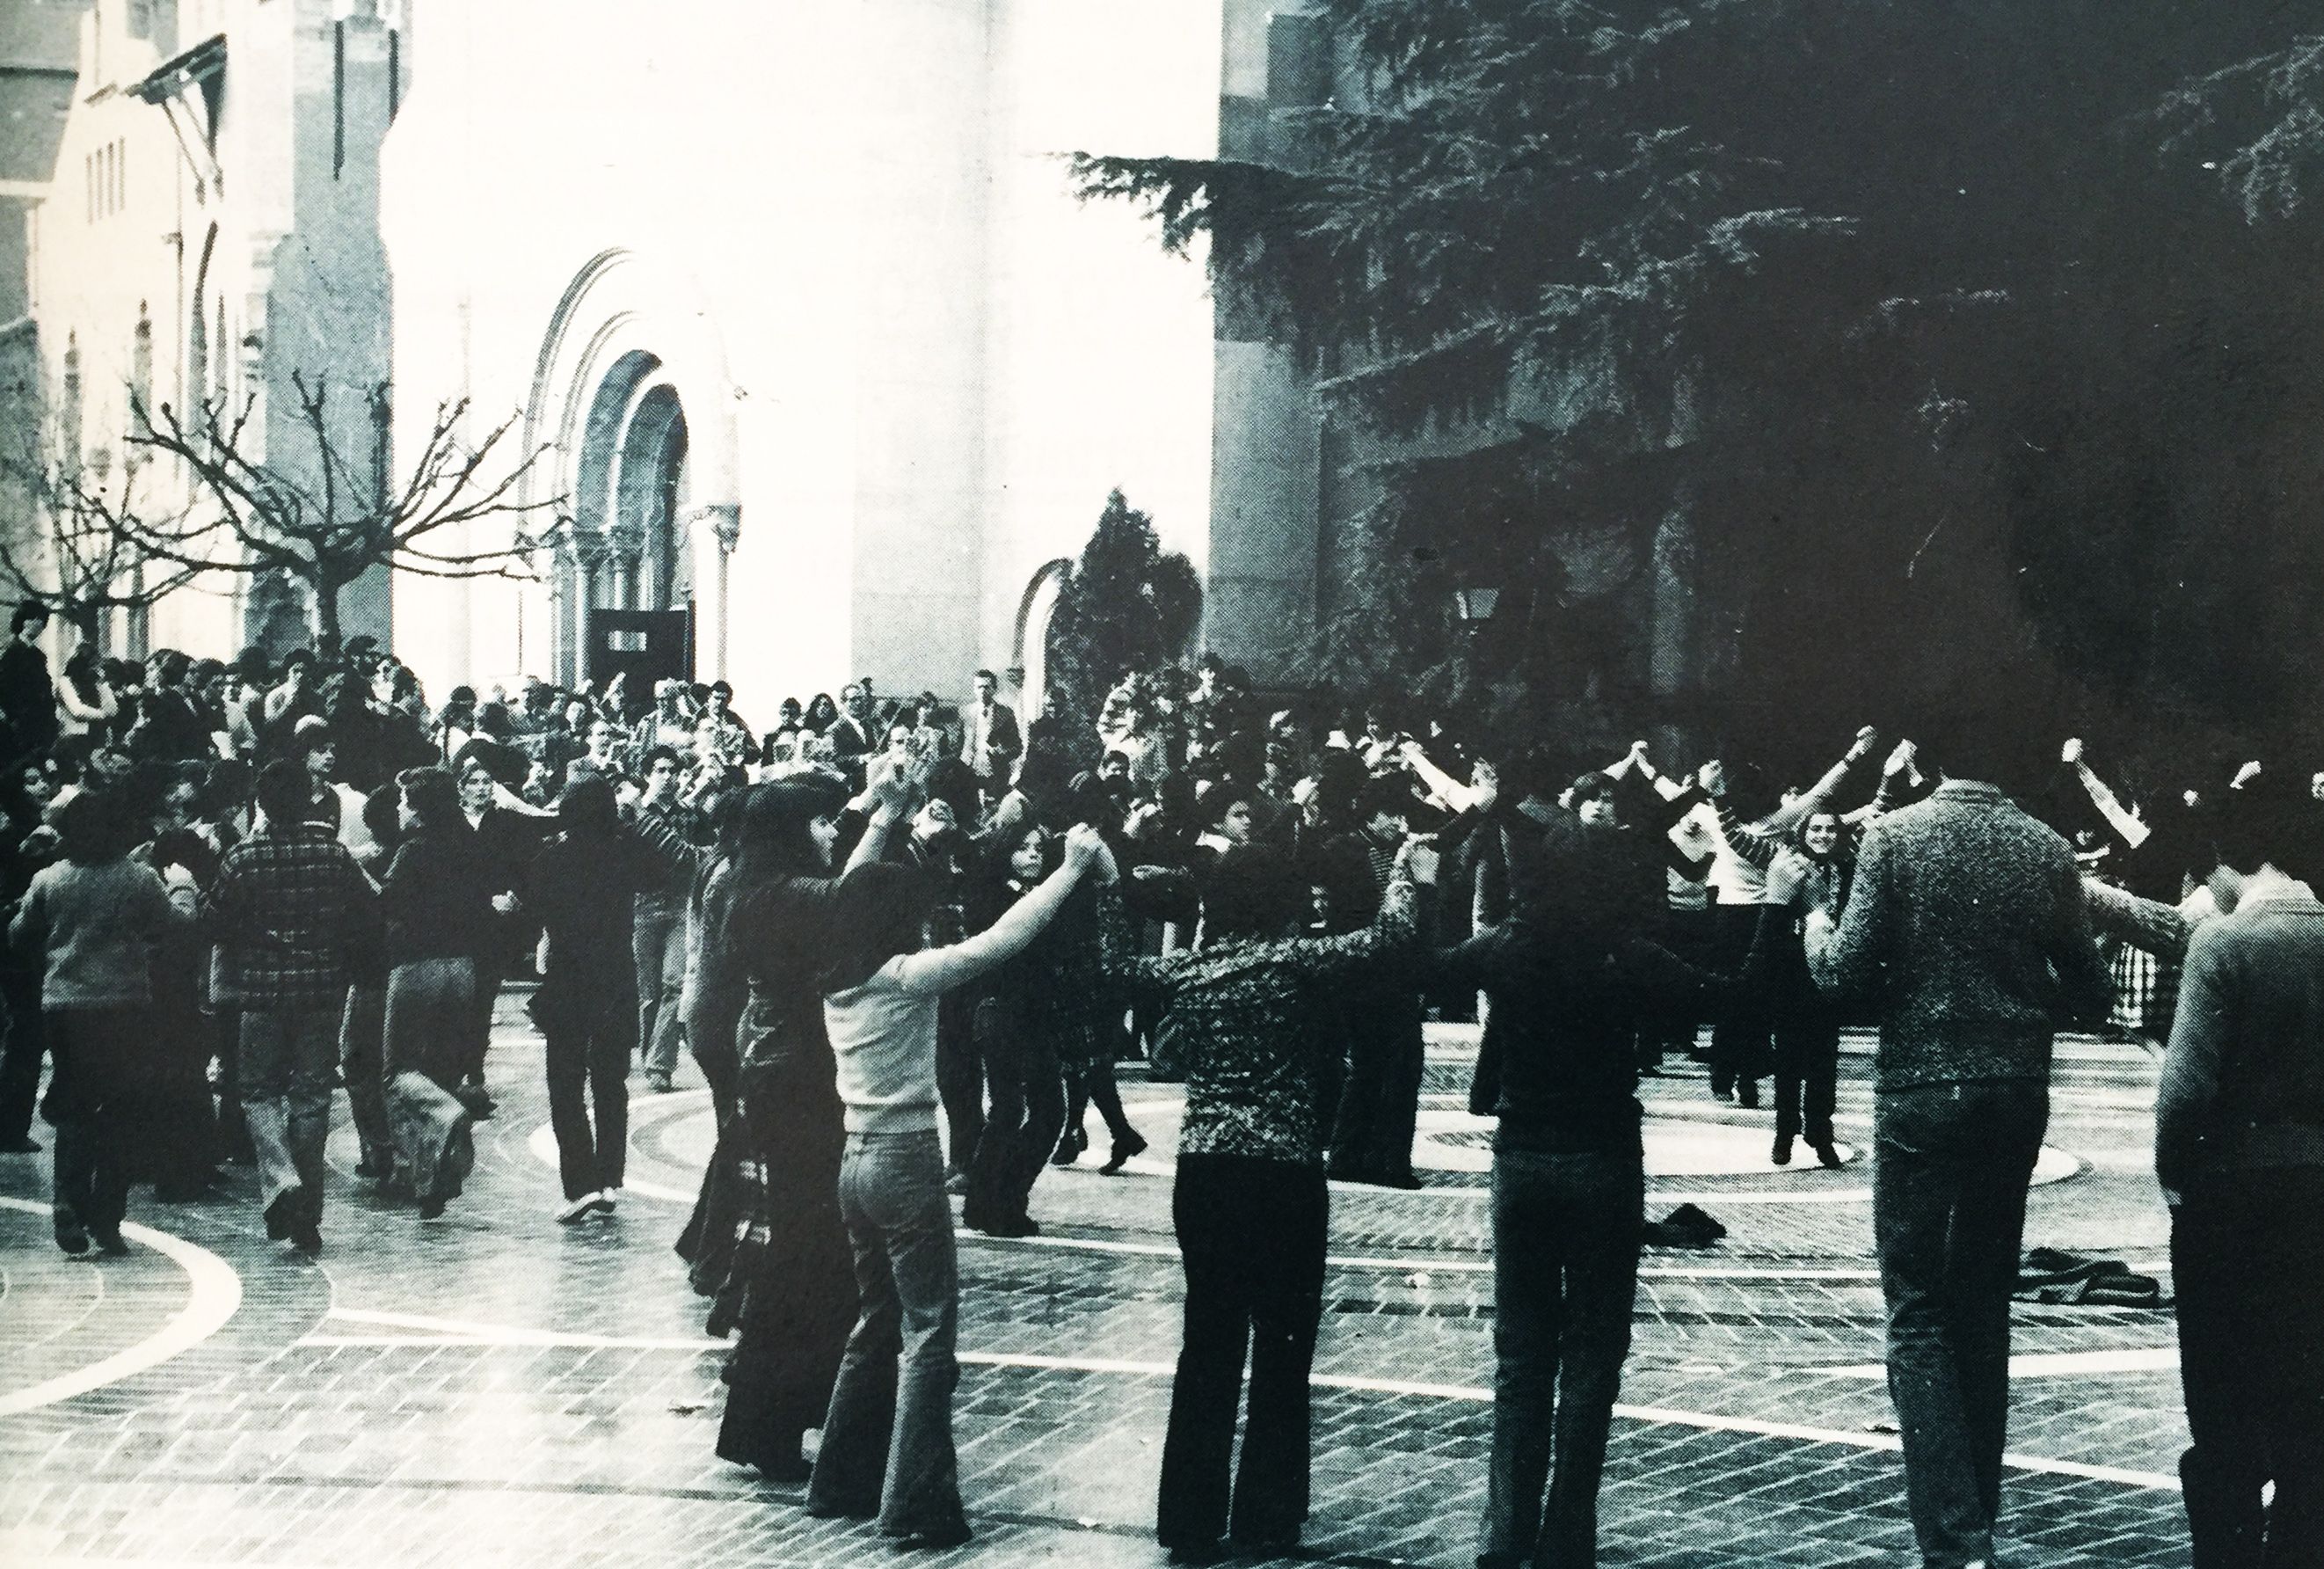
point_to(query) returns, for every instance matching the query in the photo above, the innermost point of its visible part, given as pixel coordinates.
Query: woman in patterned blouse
(1248, 1027)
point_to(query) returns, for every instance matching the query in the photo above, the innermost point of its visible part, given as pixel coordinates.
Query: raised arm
(1456, 795)
(887, 796)
(1791, 813)
(2119, 817)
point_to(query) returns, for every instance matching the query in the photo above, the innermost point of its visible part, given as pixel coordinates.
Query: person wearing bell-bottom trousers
(1251, 1236)
(1250, 1030)
(289, 1063)
(889, 1432)
(881, 994)
(1567, 1233)
(96, 1052)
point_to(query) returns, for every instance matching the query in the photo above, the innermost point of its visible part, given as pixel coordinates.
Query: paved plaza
(492, 1389)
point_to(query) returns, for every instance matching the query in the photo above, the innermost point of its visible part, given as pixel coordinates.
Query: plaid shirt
(286, 909)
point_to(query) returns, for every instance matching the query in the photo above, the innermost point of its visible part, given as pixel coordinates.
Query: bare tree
(61, 548)
(324, 514)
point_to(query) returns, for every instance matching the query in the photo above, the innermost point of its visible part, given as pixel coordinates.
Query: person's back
(1965, 935)
(2244, 1087)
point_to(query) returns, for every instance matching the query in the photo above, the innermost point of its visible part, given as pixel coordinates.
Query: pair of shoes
(659, 1083)
(1747, 1094)
(1070, 1145)
(375, 1168)
(577, 1209)
(1197, 1552)
(71, 1236)
(306, 1238)
(431, 1207)
(1407, 1179)
(282, 1215)
(1782, 1153)
(1722, 1092)
(605, 1199)
(21, 1144)
(1126, 1149)
(1019, 1226)
(109, 1240)
(1826, 1156)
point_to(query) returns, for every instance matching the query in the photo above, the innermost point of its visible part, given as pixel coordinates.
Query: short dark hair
(1253, 892)
(588, 807)
(282, 793)
(1384, 794)
(97, 827)
(718, 686)
(435, 800)
(2270, 821)
(298, 657)
(986, 676)
(26, 614)
(655, 754)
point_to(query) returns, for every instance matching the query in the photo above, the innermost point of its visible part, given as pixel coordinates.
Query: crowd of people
(905, 941)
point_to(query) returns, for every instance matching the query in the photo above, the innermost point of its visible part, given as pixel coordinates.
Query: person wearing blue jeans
(1570, 975)
(1566, 1231)
(1951, 1164)
(1965, 934)
(887, 1443)
(887, 1440)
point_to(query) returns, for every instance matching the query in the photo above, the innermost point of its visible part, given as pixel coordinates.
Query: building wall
(269, 238)
(911, 366)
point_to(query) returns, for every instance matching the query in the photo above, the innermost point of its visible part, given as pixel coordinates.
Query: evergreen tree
(1126, 606)
(1907, 346)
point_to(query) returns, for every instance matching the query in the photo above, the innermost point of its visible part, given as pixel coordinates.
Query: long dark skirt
(793, 1263)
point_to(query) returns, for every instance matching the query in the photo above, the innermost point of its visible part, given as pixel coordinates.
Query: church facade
(815, 366)
(795, 308)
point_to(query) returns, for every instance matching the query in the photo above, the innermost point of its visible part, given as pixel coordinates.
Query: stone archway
(1033, 614)
(630, 393)
(625, 544)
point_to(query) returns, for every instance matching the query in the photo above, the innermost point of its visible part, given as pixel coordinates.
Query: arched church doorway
(1033, 634)
(624, 558)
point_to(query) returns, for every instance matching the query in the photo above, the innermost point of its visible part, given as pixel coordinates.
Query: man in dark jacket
(2239, 1150)
(1965, 936)
(28, 697)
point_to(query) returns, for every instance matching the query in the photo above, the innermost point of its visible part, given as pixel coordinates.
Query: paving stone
(294, 1437)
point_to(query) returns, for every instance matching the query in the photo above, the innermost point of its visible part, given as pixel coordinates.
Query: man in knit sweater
(1964, 937)
(2239, 1151)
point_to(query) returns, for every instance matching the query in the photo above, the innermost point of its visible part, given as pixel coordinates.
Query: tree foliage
(1125, 605)
(1788, 356)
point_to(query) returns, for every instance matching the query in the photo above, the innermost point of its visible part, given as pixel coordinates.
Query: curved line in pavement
(214, 1297)
(542, 1143)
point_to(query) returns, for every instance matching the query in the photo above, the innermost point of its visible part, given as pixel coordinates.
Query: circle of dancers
(906, 941)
